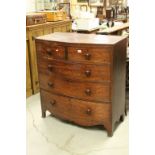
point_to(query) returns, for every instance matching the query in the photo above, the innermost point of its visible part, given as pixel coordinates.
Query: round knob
(50, 67)
(50, 84)
(53, 102)
(88, 92)
(87, 56)
(88, 73)
(49, 52)
(88, 111)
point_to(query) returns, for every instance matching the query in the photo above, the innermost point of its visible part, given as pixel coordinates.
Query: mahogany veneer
(82, 77)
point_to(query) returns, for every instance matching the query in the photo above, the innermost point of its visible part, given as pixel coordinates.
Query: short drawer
(76, 71)
(49, 50)
(99, 92)
(77, 111)
(101, 55)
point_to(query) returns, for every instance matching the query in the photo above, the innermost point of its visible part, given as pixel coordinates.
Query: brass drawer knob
(88, 92)
(87, 56)
(49, 51)
(88, 73)
(50, 84)
(52, 102)
(88, 111)
(50, 67)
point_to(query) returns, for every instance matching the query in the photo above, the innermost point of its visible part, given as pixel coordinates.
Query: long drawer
(76, 71)
(80, 112)
(99, 92)
(91, 54)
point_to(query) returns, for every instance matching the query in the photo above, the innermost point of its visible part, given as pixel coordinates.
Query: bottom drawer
(74, 110)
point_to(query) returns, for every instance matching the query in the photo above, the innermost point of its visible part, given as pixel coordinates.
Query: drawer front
(98, 92)
(101, 55)
(77, 111)
(83, 72)
(49, 50)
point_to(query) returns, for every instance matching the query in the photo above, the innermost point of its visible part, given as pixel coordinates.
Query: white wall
(30, 5)
(40, 5)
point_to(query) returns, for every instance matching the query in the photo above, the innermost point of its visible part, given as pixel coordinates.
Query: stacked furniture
(82, 77)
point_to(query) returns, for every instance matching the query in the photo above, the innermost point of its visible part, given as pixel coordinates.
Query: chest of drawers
(82, 78)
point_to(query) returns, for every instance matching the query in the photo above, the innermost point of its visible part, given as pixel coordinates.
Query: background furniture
(94, 30)
(84, 7)
(35, 18)
(28, 73)
(114, 30)
(35, 31)
(100, 13)
(66, 8)
(100, 5)
(95, 64)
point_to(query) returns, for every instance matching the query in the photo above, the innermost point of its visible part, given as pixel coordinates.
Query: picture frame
(65, 7)
(82, 1)
(96, 2)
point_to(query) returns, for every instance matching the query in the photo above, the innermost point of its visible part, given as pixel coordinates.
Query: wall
(75, 6)
(34, 5)
(30, 5)
(40, 4)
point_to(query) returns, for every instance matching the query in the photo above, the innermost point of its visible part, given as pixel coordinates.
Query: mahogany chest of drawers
(82, 77)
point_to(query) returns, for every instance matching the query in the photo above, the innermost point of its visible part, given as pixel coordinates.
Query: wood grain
(28, 74)
(34, 31)
(84, 91)
(79, 38)
(96, 55)
(98, 92)
(46, 49)
(80, 112)
(75, 71)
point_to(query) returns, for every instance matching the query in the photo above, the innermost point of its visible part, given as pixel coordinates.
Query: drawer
(77, 111)
(101, 55)
(98, 92)
(49, 50)
(75, 71)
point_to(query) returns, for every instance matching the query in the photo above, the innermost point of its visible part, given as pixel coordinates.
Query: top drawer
(94, 54)
(50, 50)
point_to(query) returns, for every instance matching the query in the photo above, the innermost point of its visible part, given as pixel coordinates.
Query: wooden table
(114, 30)
(124, 20)
(89, 31)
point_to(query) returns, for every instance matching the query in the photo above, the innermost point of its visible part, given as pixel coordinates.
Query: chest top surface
(77, 38)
